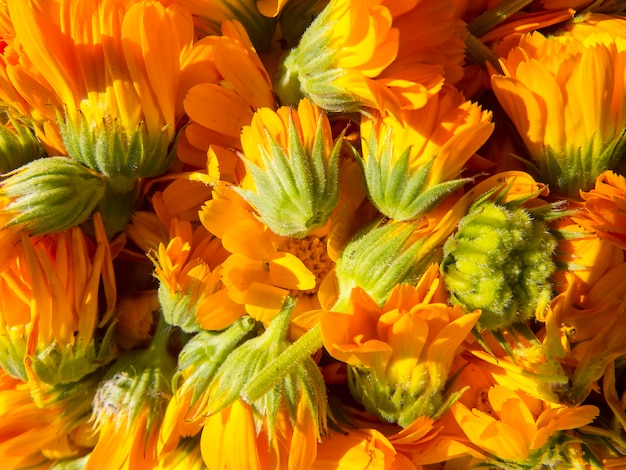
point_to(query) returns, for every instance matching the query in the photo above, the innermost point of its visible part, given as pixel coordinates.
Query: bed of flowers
(312, 234)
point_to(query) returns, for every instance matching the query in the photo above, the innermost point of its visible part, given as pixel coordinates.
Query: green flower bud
(500, 261)
(270, 373)
(295, 177)
(51, 194)
(123, 155)
(18, 145)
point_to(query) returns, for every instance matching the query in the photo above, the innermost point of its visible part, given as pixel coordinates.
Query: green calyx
(396, 191)
(270, 374)
(500, 261)
(379, 258)
(295, 190)
(18, 143)
(123, 155)
(140, 381)
(577, 169)
(194, 372)
(51, 194)
(308, 71)
(398, 402)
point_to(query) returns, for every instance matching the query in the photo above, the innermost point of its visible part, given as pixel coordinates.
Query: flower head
(372, 54)
(519, 430)
(565, 99)
(410, 164)
(399, 355)
(293, 168)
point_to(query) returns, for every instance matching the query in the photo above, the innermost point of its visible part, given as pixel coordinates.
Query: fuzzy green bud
(295, 177)
(500, 261)
(51, 194)
(18, 145)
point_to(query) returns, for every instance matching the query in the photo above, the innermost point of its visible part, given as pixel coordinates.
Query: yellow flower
(98, 58)
(190, 280)
(374, 54)
(565, 98)
(223, 101)
(400, 355)
(264, 268)
(292, 168)
(256, 16)
(521, 430)
(50, 316)
(426, 150)
(604, 209)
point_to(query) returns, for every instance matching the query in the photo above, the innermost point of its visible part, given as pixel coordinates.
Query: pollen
(313, 253)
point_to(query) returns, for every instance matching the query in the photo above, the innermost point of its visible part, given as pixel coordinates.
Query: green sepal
(13, 351)
(51, 194)
(378, 258)
(295, 193)
(57, 365)
(119, 153)
(204, 353)
(398, 193)
(18, 143)
(284, 383)
(137, 381)
(295, 17)
(308, 70)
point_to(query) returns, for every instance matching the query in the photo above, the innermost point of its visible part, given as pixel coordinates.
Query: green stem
(116, 207)
(481, 54)
(276, 370)
(494, 16)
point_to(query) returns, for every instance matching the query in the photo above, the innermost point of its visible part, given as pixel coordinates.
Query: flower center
(313, 254)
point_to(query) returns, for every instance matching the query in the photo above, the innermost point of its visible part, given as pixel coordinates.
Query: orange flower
(604, 209)
(519, 429)
(374, 54)
(570, 119)
(428, 148)
(49, 308)
(234, 85)
(400, 355)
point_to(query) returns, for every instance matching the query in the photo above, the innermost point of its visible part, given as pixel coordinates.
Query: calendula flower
(359, 449)
(293, 168)
(518, 430)
(221, 104)
(129, 406)
(604, 209)
(373, 54)
(261, 274)
(114, 92)
(564, 97)
(188, 408)
(513, 248)
(187, 272)
(426, 150)
(399, 355)
(51, 194)
(53, 329)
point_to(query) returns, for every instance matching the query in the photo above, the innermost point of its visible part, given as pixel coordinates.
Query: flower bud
(51, 194)
(18, 145)
(500, 261)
